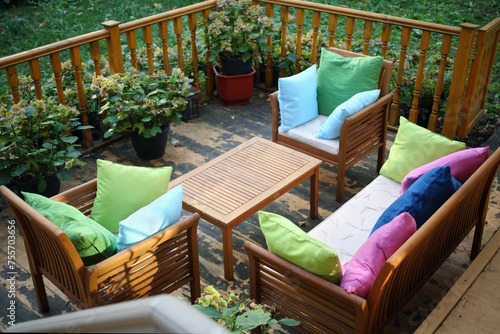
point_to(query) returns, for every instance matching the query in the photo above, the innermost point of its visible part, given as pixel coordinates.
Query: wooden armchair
(159, 264)
(361, 134)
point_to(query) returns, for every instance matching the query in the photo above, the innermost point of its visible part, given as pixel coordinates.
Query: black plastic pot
(53, 186)
(235, 66)
(150, 148)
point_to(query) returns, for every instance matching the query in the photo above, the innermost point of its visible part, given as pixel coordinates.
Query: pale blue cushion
(333, 124)
(297, 98)
(159, 214)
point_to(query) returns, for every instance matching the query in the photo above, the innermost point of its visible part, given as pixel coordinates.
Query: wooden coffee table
(235, 185)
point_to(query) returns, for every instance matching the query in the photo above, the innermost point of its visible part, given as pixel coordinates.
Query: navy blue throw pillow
(423, 198)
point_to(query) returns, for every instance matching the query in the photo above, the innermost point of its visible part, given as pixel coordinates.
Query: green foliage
(36, 140)
(237, 315)
(141, 102)
(237, 29)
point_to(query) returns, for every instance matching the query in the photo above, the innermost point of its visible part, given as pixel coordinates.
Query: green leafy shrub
(238, 315)
(141, 102)
(36, 141)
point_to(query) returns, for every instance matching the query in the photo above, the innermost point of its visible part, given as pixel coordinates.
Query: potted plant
(144, 106)
(277, 63)
(37, 145)
(240, 315)
(235, 34)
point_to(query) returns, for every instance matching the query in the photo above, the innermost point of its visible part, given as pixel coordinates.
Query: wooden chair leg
(340, 183)
(478, 236)
(381, 158)
(41, 295)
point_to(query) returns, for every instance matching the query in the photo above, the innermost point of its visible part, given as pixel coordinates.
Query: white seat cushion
(348, 228)
(307, 132)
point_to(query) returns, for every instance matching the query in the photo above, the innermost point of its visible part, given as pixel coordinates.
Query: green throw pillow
(340, 78)
(288, 241)
(92, 241)
(122, 190)
(415, 146)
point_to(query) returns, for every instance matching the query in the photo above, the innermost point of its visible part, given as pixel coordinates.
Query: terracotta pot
(150, 148)
(234, 90)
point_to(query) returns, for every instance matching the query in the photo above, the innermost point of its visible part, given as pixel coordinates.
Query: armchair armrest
(276, 120)
(319, 305)
(365, 131)
(159, 264)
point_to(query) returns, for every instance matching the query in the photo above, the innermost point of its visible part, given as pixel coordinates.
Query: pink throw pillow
(365, 265)
(462, 164)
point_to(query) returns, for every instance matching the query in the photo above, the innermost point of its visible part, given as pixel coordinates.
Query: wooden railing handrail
(355, 13)
(49, 49)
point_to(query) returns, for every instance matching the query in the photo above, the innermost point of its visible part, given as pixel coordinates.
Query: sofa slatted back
(323, 307)
(361, 134)
(414, 263)
(161, 263)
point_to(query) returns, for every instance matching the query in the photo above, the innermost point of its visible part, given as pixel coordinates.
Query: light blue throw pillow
(297, 98)
(159, 214)
(333, 124)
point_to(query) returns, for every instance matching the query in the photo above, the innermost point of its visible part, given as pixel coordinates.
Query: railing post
(209, 80)
(178, 33)
(269, 67)
(36, 75)
(459, 79)
(404, 42)
(55, 63)
(316, 22)
(284, 22)
(76, 61)
(13, 81)
(300, 23)
(114, 47)
(194, 51)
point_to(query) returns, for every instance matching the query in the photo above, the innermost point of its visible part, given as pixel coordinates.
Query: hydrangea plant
(238, 315)
(140, 102)
(36, 141)
(237, 29)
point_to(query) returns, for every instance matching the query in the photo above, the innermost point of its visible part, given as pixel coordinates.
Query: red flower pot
(234, 90)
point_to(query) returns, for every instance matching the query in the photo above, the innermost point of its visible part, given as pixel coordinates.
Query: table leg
(314, 194)
(227, 247)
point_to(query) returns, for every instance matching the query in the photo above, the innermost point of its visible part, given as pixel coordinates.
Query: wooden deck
(218, 130)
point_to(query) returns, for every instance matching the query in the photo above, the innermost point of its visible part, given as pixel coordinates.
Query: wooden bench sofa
(322, 306)
(160, 263)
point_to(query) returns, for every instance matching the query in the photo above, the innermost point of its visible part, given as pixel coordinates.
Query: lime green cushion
(92, 241)
(122, 190)
(288, 241)
(340, 78)
(413, 147)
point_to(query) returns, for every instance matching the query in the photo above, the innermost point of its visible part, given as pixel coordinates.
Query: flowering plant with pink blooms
(237, 29)
(142, 103)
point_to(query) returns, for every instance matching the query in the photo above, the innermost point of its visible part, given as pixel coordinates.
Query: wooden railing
(465, 99)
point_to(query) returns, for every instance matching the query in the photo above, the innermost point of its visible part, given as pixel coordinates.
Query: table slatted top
(227, 189)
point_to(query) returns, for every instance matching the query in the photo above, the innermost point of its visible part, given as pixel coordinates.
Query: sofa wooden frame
(361, 134)
(323, 307)
(161, 263)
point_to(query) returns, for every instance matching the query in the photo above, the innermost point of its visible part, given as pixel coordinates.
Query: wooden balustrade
(362, 31)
